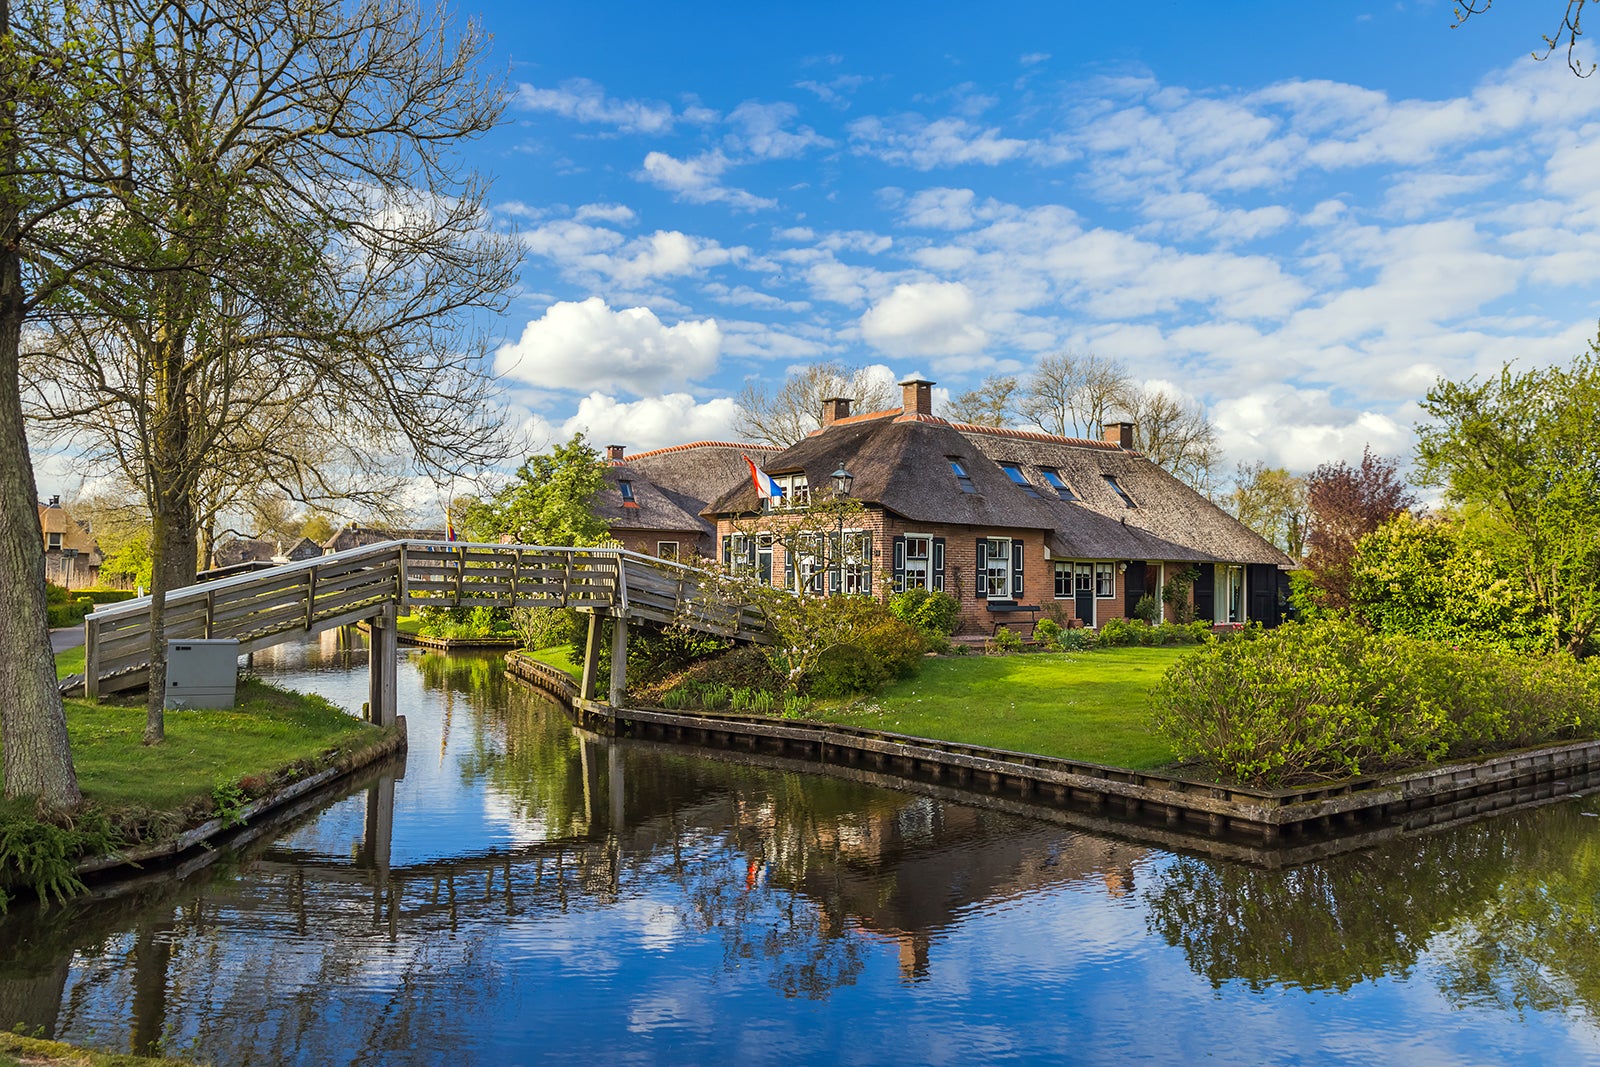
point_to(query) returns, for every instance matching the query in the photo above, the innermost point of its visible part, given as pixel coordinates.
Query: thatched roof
(653, 508)
(902, 463)
(672, 486)
(1166, 511)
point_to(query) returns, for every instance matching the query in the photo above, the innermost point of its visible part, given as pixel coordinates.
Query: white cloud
(616, 214)
(697, 180)
(913, 141)
(585, 252)
(582, 100)
(654, 421)
(589, 346)
(1299, 428)
(763, 131)
(925, 318)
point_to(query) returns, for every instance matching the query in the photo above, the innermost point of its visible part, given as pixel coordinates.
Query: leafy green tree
(1433, 578)
(549, 502)
(1519, 453)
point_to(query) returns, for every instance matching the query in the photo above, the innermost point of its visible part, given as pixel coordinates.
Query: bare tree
(1176, 435)
(786, 414)
(1072, 395)
(991, 404)
(1570, 30)
(295, 240)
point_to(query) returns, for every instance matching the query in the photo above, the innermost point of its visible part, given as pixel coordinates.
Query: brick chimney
(615, 452)
(1119, 433)
(835, 408)
(916, 397)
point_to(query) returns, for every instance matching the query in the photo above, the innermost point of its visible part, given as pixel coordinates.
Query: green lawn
(559, 656)
(69, 662)
(1088, 706)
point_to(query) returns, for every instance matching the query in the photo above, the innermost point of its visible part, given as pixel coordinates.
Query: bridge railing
(268, 607)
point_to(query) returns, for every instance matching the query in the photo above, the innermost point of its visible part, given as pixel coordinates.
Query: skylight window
(1014, 472)
(1058, 483)
(1111, 480)
(627, 494)
(961, 474)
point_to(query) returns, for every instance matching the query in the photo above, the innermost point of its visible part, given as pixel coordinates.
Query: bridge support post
(619, 660)
(382, 664)
(591, 658)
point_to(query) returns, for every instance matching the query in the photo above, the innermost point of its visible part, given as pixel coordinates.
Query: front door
(1083, 592)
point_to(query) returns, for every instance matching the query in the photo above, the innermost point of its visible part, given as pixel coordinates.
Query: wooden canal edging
(1365, 809)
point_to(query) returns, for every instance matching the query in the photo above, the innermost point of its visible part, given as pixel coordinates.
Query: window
(1230, 594)
(810, 566)
(960, 472)
(1014, 472)
(1084, 579)
(52, 542)
(857, 561)
(919, 558)
(667, 549)
(1111, 480)
(997, 568)
(1057, 483)
(626, 489)
(1063, 580)
(796, 492)
(1105, 581)
(741, 551)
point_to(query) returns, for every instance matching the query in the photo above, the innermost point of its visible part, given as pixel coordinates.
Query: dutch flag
(766, 488)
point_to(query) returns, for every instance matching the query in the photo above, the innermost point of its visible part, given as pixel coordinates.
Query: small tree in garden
(1346, 503)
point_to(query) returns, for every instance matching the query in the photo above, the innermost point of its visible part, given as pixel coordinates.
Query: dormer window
(1111, 480)
(1063, 490)
(1014, 472)
(960, 472)
(796, 492)
(626, 488)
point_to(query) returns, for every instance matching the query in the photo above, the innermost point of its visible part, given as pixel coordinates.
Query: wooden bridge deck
(269, 607)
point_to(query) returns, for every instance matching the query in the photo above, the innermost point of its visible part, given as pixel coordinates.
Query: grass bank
(69, 662)
(1089, 706)
(16, 1049)
(557, 656)
(213, 761)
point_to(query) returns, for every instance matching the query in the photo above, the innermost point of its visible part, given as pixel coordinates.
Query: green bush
(1117, 633)
(896, 646)
(1048, 632)
(545, 627)
(1148, 608)
(1331, 700)
(1003, 641)
(1078, 639)
(846, 670)
(935, 614)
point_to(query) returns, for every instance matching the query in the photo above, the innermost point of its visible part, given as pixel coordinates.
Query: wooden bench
(1004, 608)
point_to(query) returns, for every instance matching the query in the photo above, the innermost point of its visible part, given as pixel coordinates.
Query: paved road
(65, 638)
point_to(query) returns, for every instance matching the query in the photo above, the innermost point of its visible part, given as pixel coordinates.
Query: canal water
(518, 892)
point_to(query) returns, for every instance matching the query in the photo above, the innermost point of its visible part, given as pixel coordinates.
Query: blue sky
(1297, 215)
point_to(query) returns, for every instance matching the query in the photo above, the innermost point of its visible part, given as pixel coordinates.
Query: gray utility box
(202, 673)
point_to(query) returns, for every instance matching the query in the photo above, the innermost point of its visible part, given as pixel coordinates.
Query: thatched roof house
(1012, 522)
(653, 500)
(71, 556)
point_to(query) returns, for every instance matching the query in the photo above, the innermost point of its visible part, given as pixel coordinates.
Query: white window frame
(1070, 569)
(998, 581)
(661, 550)
(1105, 581)
(919, 566)
(811, 565)
(796, 491)
(857, 571)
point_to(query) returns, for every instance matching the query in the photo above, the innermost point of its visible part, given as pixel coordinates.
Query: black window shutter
(834, 560)
(1133, 586)
(983, 568)
(727, 548)
(788, 566)
(938, 564)
(899, 564)
(866, 561)
(1205, 606)
(765, 559)
(1016, 569)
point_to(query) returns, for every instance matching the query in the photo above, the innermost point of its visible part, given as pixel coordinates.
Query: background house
(71, 557)
(652, 501)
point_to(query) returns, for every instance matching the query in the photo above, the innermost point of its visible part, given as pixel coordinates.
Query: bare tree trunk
(33, 726)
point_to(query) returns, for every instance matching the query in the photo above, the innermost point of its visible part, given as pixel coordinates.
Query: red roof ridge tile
(865, 416)
(699, 444)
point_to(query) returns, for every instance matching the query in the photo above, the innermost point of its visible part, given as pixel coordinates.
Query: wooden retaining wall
(1369, 808)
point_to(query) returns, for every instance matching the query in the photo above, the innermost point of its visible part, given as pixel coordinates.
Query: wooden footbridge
(377, 583)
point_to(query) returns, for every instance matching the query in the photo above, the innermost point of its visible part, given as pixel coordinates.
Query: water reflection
(526, 891)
